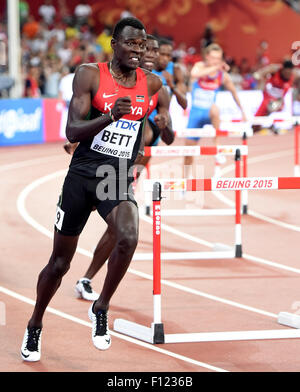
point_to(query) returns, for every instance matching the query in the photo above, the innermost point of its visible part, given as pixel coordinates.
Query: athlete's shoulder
(85, 76)
(154, 82)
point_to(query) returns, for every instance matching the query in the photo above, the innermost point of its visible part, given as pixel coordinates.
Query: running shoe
(84, 290)
(31, 346)
(100, 332)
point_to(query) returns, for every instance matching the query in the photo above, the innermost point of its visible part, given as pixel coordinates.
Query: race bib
(59, 217)
(117, 139)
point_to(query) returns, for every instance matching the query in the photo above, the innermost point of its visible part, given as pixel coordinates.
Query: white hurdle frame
(155, 333)
(230, 150)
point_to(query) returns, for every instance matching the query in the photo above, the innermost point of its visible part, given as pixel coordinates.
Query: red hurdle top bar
(225, 184)
(233, 184)
(163, 151)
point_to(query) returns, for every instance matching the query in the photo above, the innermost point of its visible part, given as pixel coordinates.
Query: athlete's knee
(58, 266)
(127, 240)
(214, 112)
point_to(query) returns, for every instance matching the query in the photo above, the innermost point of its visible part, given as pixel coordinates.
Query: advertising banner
(21, 121)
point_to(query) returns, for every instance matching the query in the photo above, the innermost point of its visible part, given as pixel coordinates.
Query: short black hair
(165, 41)
(133, 22)
(288, 64)
(150, 36)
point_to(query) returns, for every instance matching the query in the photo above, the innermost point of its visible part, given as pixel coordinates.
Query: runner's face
(150, 57)
(165, 56)
(214, 57)
(130, 47)
(286, 73)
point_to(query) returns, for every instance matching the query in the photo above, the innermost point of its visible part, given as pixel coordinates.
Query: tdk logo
(124, 124)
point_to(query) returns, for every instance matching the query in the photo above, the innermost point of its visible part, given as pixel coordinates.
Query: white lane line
(29, 162)
(117, 335)
(23, 212)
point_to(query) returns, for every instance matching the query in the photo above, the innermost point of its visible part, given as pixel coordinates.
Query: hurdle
(234, 128)
(155, 334)
(239, 128)
(271, 121)
(169, 151)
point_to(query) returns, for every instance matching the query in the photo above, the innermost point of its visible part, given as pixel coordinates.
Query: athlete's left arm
(163, 118)
(229, 85)
(179, 87)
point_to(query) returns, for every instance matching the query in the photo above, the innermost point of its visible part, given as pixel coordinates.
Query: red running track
(197, 296)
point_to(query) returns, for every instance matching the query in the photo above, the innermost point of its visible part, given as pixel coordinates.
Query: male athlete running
(106, 115)
(161, 128)
(210, 75)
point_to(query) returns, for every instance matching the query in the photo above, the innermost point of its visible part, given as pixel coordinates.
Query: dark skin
(163, 121)
(176, 81)
(123, 220)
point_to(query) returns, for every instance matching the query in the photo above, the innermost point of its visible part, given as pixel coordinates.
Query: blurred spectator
(65, 15)
(191, 57)
(244, 66)
(6, 83)
(82, 12)
(3, 33)
(58, 33)
(249, 82)
(31, 88)
(30, 28)
(262, 55)
(23, 11)
(104, 41)
(65, 52)
(208, 37)
(71, 32)
(47, 11)
(53, 75)
(66, 84)
(180, 52)
(126, 13)
(236, 77)
(40, 41)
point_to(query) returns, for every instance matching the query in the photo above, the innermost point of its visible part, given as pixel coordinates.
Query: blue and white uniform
(170, 69)
(204, 92)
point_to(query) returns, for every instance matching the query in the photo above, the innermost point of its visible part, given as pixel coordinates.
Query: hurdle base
(154, 334)
(289, 319)
(245, 210)
(238, 251)
(147, 334)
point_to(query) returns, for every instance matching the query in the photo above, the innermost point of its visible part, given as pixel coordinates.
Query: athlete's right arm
(200, 70)
(163, 119)
(78, 127)
(265, 71)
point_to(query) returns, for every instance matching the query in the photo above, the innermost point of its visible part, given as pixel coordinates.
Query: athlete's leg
(188, 160)
(50, 277)
(214, 114)
(101, 253)
(123, 221)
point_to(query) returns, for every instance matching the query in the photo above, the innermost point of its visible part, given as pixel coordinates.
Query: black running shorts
(81, 195)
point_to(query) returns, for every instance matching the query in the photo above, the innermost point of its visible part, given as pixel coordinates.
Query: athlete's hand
(169, 79)
(121, 107)
(244, 117)
(224, 67)
(161, 121)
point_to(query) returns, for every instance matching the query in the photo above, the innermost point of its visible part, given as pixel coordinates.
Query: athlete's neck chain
(120, 77)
